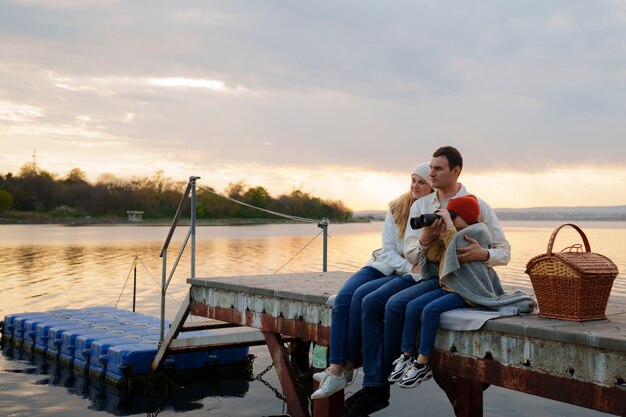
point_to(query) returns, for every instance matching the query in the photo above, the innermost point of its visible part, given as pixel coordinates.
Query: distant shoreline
(123, 221)
(612, 213)
(615, 213)
(146, 222)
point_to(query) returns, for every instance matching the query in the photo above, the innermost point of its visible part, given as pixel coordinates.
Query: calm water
(47, 267)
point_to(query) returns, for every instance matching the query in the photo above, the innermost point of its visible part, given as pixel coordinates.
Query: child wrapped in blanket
(462, 285)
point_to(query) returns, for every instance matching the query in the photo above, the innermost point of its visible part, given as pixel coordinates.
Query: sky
(338, 99)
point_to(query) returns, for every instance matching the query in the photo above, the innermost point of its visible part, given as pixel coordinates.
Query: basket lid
(584, 263)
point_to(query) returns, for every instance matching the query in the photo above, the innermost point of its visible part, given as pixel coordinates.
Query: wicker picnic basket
(572, 284)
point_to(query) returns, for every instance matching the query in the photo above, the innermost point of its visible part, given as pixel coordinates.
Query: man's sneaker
(330, 385)
(349, 402)
(402, 364)
(417, 373)
(370, 400)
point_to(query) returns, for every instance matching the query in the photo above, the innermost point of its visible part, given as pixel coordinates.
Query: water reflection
(44, 267)
(144, 397)
(48, 267)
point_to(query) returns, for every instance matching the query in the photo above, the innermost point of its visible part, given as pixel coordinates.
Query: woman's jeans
(427, 309)
(345, 328)
(382, 317)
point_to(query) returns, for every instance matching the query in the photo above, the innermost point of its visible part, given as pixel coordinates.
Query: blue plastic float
(107, 342)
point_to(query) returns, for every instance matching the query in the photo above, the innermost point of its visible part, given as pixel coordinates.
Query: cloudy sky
(339, 99)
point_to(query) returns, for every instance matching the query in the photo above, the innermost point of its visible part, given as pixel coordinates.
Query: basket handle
(578, 229)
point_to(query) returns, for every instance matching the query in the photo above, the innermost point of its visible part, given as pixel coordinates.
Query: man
(383, 310)
(445, 168)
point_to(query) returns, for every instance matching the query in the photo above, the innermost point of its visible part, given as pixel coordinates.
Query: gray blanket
(475, 281)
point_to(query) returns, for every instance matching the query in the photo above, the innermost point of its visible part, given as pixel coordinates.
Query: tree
(76, 176)
(6, 201)
(235, 191)
(257, 196)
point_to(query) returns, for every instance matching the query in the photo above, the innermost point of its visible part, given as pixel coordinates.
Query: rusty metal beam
(207, 325)
(469, 398)
(296, 403)
(296, 328)
(610, 400)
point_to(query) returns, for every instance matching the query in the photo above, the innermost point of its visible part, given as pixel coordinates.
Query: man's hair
(452, 155)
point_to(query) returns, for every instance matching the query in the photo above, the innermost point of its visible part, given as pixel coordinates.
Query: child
(461, 285)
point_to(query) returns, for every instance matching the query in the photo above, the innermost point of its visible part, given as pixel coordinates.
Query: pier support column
(296, 403)
(333, 405)
(469, 400)
(328, 407)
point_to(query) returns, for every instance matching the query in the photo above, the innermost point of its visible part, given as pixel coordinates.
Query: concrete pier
(578, 363)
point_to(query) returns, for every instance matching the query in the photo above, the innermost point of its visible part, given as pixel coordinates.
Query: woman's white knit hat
(423, 170)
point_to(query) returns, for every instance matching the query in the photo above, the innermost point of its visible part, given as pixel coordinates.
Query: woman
(345, 330)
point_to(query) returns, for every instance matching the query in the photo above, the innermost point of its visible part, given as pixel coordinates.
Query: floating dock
(577, 363)
(114, 344)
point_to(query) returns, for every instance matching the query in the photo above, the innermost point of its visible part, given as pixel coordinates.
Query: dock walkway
(577, 363)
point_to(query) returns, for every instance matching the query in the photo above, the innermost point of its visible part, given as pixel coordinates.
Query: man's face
(440, 174)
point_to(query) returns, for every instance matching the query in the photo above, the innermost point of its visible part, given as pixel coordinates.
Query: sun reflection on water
(47, 267)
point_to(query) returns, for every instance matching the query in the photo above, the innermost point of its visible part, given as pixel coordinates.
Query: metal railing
(165, 282)
(166, 279)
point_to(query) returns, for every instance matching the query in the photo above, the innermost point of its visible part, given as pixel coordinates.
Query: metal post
(163, 289)
(324, 225)
(134, 283)
(192, 180)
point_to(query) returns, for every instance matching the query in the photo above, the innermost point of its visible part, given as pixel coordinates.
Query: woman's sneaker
(416, 374)
(401, 365)
(350, 375)
(320, 376)
(330, 385)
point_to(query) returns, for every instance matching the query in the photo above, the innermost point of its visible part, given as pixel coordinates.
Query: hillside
(536, 213)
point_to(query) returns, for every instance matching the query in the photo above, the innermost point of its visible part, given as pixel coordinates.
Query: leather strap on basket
(578, 229)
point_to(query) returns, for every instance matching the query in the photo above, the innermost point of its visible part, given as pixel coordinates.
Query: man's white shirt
(499, 253)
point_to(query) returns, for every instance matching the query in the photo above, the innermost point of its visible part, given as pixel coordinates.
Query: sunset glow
(532, 95)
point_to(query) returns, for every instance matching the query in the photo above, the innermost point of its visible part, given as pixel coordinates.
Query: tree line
(36, 190)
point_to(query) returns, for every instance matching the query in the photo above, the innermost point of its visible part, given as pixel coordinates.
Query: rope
(275, 213)
(126, 282)
(133, 265)
(298, 253)
(154, 279)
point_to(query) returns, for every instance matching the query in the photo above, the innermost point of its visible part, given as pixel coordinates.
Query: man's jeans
(427, 309)
(383, 324)
(345, 328)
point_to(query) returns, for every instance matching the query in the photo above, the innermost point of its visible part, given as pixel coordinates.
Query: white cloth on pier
(472, 318)
(464, 319)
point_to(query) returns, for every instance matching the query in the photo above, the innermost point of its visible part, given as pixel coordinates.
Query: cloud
(18, 112)
(526, 87)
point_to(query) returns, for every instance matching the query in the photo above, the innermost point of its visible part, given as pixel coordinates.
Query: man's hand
(432, 232)
(472, 252)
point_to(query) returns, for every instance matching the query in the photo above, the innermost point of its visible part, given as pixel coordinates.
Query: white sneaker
(331, 385)
(320, 376)
(415, 375)
(402, 364)
(350, 375)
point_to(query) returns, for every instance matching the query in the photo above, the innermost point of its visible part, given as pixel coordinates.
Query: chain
(259, 378)
(149, 392)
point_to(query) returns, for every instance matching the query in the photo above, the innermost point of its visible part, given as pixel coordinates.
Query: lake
(43, 267)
